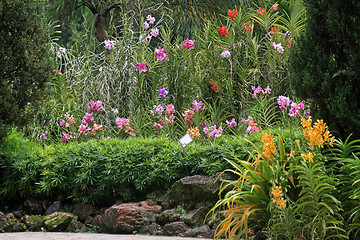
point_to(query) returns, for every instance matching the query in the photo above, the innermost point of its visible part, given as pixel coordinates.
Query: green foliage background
(25, 64)
(325, 64)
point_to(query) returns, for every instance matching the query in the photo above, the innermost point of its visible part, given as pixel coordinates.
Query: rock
(8, 223)
(33, 206)
(76, 226)
(149, 217)
(169, 216)
(126, 217)
(175, 229)
(83, 210)
(152, 229)
(88, 220)
(59, 221)
(55, 207)
(199, 188)
(196, 217)
(193, 189)
(203, 231)
(18, 213)
(33, 222)
(159, 197)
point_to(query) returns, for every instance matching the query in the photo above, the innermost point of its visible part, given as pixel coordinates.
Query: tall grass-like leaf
(265, 111)
(317, 205)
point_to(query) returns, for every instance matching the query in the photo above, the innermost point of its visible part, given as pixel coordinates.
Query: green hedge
(99, 171)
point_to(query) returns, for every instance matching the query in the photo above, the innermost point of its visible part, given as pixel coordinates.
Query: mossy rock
(59, 221)
(33, 222)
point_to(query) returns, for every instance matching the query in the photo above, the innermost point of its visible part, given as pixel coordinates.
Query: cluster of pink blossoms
(154, 32)
(278, 47)
(124, 123)
(44, 135)
(188, 114)
(95, 105)
(197, 106)
(140, 66)
(212, 132)
(190, 44)
(169, 115)
(295, 109)
(89, 126)
(252, 128)
(258, 90)
(66, 137)
(232, 123)
(109, 44)
(160, 54)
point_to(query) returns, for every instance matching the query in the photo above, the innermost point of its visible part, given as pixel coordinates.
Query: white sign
(185, 140)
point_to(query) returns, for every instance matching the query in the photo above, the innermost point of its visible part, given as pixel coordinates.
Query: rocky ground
(182, 214)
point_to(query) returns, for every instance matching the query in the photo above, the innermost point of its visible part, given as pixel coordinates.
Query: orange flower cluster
(269, 148)
(277, 197)
(194, 132)
(308, 157)
(318, 134)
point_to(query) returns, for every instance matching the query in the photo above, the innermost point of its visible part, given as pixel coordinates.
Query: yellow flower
(282, 203)
(317, 134)
(309, 156)
(269, 148)
(276, 192)
(277, 197)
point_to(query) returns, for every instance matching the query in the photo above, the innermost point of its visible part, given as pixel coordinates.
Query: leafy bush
(325, 64)
(101, 170)
(24, 56)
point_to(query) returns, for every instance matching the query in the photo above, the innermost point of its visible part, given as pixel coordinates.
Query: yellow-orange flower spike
(317, 134)
(308, 157)
(269, 148)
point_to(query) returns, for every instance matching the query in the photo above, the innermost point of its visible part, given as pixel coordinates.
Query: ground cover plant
(127, 85)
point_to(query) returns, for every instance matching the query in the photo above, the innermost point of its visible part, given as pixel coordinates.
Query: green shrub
(325, 64)
(101, 170)
(24, 56)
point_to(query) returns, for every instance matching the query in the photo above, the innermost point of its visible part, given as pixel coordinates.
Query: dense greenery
(128, 83)
(24, 57)
(325, 64)
(98, 171)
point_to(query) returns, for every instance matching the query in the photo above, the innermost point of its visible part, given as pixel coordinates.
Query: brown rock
(33, 206)
(169, 216)
(126, 217)
(175, 229)
(83, 210)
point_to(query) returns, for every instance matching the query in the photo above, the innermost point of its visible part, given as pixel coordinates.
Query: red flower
(247, 27)
(213, 85)
(223, 31)
(275, 7)
(289, 43)
(232, 14)
(273, 30)
(261, 11)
